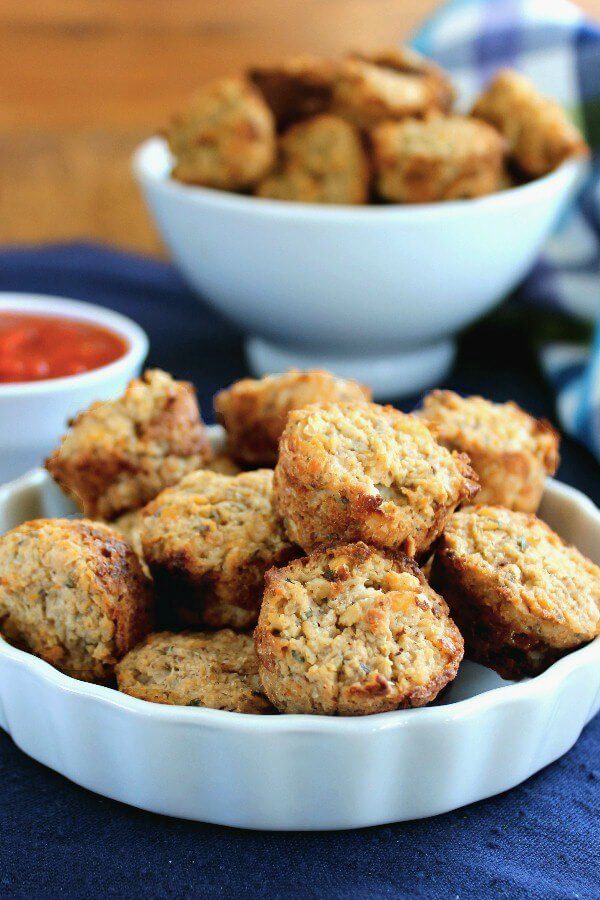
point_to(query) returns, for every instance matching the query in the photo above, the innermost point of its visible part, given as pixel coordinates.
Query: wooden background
(83, 81)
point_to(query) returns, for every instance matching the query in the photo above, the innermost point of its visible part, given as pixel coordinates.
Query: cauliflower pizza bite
(511, 451)
(208, 542)
(350, 472)
(223, 464)
(351, 631)
(118, 454)
(321, 160)
(254, 411)
(225, 138)
(537, 130)
(521, 597)
(388, 86)
(216, 669)
(408, 62)
(74, 594)
(129, 526)
(296, 88)
(439, 158)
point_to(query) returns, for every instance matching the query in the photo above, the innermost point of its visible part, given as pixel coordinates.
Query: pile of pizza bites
(338, 557)
(368, 128)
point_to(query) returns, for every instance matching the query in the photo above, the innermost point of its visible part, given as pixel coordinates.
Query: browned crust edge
(488, 639)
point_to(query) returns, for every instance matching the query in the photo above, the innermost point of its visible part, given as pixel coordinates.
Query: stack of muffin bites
(367, 128)
(299, 588)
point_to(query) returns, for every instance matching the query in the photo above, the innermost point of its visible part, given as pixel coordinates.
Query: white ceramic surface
(301, 772)
(353, 288)
(33, 415)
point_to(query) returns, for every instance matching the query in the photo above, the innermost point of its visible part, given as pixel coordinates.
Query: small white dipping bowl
(34, 414)
(374, 292)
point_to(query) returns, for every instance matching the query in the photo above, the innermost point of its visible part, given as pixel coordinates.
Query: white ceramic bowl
(34, 414)
(376, 292)
(301, 772)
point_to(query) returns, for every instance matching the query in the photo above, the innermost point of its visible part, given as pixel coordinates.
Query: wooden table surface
(82, 82)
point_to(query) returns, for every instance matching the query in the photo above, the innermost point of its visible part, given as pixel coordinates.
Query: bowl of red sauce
(56, 357)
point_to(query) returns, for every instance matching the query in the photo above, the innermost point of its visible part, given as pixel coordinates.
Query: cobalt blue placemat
(540, 840)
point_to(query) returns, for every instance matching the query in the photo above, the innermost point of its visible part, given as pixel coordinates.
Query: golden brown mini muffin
(74, 594)
(208, 542)
(254, 411)
(521, 597)
(129, 527)
(224, 464)
(350, 631)
(537, 130)
(296, 88)
(350, 472)
(511, 451)
(216, 669)
(321, 160)
(225, 138)
(406, 61)
(120, 453)
(439, 158)
(389, 86)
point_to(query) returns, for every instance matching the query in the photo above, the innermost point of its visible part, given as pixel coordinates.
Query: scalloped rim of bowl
(150, 164)
(48, 305)
(479, 704)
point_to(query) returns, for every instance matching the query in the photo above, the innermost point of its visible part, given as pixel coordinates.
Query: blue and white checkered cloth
(558, 48)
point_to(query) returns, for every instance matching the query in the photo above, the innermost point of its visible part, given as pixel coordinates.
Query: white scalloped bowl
(301, 772)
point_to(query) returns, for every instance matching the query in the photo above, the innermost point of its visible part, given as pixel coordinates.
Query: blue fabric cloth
(552, 43)
(539, 840)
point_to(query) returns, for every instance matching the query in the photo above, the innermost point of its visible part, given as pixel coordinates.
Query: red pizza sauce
(33, 348)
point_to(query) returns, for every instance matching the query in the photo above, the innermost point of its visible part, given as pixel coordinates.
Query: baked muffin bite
(439, 158)
(321, 160)
(208, 542)
(129, 527)
(538, 132)
(295, 88)
(73, 593)
(370, 89)
(406, 61)
(351, 631)
(224, 464)
(511, 452)
(225, 138)
(364, 472)
(215, 669)
(118, 454)
(521, 597)
(254, 411)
